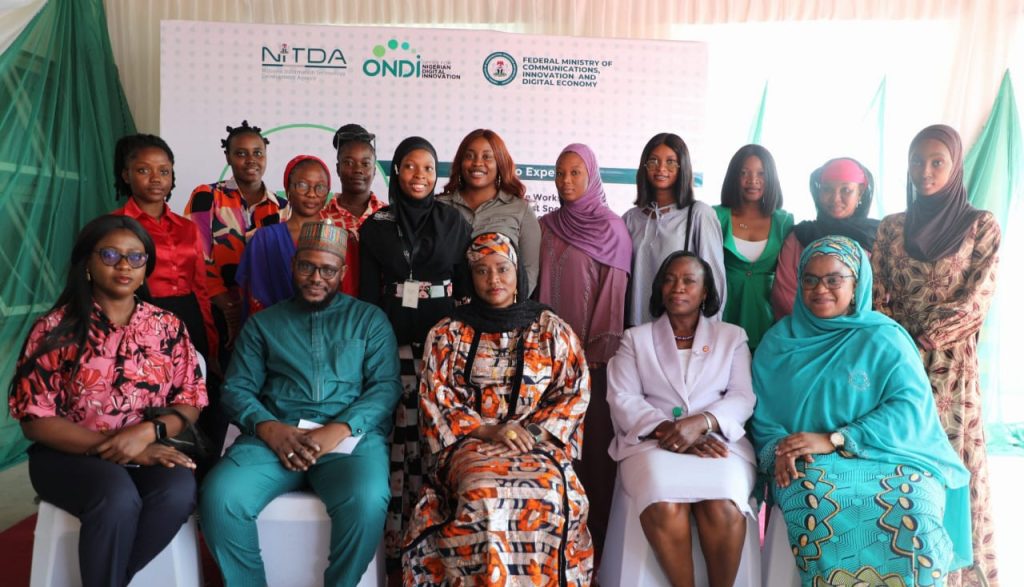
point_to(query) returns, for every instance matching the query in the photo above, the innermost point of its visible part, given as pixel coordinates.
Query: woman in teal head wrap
(848, 436)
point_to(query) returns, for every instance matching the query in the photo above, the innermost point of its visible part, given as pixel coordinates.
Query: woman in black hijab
(935, 273)
(842, 189)
(411, 264)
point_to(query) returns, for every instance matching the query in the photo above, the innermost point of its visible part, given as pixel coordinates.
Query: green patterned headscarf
(843, 248)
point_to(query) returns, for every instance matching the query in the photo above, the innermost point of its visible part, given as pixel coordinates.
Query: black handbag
(190, 440)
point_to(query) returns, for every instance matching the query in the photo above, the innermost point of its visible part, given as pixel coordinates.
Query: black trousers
(128, 514)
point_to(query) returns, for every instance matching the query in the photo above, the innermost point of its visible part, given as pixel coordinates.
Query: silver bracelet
(707, 419)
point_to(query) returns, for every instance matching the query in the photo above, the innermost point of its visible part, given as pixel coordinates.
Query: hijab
(937, 225)
(412, 214)
(588, 223)
(299, 159)
(858, 226)
(861, 374)
(486, 318)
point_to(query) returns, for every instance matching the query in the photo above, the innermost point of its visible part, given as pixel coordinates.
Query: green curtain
(993, 172)
(61, 110)
(757, 125)
(874, 118)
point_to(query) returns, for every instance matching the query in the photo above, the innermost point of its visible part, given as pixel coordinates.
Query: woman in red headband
(265, 273)
(842, 189)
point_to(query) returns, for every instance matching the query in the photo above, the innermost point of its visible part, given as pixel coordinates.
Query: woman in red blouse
(88, 371)
(144, 173)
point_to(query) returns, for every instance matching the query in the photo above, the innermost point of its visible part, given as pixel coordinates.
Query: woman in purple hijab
(584, 272)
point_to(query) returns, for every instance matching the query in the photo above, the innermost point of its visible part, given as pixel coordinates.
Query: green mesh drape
(757, 125)
(61, 110)
(993, 172)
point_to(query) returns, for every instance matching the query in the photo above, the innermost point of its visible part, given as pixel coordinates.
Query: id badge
(411, 294)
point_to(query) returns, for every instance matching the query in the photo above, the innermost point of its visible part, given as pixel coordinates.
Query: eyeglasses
(831, 281)
(111, 257)
(653, 164)
(342, 137)
(302, 187)
(305, 269)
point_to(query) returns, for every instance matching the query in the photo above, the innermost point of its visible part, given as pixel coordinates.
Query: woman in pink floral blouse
(89, 370)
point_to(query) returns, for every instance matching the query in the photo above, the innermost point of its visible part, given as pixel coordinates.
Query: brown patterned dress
(943, 305)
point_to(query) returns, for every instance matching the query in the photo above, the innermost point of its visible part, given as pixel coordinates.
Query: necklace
(743, 225)
(684, 338)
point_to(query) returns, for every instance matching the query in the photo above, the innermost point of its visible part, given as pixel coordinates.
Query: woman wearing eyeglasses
(667, 218)
(265, 274)
(411, 265)
(89, 369)
(357, 166)
(842, 189)
(753, 226)
(847, 432)
(484, 188)
(936, 266)
(144, 173)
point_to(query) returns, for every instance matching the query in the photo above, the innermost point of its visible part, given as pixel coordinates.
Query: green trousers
(354, 489)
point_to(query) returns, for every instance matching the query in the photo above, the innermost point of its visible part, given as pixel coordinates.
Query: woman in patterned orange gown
(504, 390)
(935, 274)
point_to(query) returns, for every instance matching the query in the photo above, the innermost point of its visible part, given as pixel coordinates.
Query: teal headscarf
(861, 374)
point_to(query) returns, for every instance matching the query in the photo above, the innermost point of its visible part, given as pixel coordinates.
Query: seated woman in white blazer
(679, 390)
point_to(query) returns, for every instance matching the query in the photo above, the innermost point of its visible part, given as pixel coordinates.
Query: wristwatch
(837, 439)
(536, 431)
(161, 429)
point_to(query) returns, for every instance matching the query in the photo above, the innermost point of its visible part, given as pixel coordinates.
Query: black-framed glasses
(302, 187)
(305, 269)
(110, 257)
(831, 281)
(342, 137)
(653, 164)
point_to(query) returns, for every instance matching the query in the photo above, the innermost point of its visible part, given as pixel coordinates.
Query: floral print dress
(943, 304)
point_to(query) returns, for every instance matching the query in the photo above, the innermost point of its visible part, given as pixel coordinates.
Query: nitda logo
(393, 59)
(308, 57)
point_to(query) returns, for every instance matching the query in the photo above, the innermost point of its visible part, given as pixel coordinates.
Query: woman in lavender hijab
(584, 273)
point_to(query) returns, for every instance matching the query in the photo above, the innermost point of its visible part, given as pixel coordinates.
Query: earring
(88, 276)
(497, 182)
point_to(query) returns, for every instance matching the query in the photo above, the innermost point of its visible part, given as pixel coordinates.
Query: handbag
(190, 440)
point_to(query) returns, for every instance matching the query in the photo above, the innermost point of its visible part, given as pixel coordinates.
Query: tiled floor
(1007, 484)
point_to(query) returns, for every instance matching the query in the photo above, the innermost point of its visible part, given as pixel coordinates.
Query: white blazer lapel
(703, 341)
(668, 358)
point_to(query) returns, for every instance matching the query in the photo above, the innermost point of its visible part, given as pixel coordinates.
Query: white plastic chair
(628, 560)
(55, 554)
(294, 532)
(779, 566)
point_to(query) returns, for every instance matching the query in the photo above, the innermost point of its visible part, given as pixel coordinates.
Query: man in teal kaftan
(320, 358)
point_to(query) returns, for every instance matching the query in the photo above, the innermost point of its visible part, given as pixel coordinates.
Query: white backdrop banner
(299, 83)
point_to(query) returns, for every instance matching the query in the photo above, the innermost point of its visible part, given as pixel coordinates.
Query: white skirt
(658, 475)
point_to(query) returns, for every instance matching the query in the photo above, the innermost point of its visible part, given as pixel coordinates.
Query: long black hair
(771, 197)
(683, 188)
(76, 297)
(712, 302)
(127, 148)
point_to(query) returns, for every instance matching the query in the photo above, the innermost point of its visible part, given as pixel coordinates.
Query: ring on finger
(511, 434)
(289, 455)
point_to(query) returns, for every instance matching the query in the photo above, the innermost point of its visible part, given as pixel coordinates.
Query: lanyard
(409, 255)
